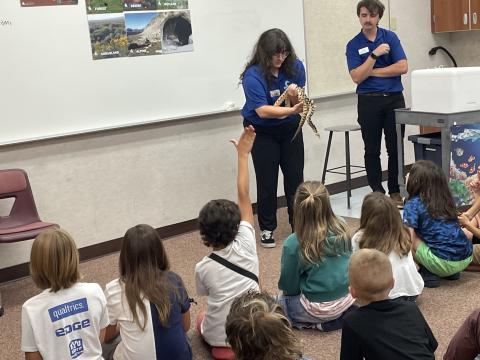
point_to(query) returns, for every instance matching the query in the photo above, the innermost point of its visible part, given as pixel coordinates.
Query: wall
(465, 48)
(98, 185)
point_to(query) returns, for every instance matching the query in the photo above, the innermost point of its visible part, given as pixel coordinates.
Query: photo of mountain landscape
(107, 35)
(144, 37)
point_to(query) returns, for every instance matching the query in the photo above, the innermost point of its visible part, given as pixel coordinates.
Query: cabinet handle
(465, 19)
(475, 18)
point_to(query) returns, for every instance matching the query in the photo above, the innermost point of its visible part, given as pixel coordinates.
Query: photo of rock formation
(158, 32)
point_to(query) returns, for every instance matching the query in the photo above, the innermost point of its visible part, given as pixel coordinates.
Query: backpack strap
(233, 267)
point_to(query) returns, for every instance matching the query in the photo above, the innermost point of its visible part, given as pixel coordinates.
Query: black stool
(348, 168)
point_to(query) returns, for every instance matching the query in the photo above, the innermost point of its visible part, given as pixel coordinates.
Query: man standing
(376, 61)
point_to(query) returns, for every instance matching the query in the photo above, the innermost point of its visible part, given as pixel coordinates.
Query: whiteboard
(329, 26)
(51, 86)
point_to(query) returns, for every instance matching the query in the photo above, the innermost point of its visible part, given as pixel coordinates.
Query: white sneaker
(266, 239)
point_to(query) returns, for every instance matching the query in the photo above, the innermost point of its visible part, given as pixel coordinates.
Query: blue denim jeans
(301, 319)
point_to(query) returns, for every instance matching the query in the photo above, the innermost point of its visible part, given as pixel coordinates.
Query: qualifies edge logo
(68, 309)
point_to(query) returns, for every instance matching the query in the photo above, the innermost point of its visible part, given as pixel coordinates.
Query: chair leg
(2, 311)
(347, 167)
(327, 154)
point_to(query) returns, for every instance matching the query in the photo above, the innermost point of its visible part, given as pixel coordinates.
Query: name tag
(274, 93)
(363, 50)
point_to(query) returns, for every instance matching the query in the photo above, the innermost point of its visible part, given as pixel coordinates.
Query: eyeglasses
(283, 54)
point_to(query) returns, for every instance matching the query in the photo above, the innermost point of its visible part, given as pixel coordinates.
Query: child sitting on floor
(68, 318)
(257, 328)
(228, 230)
(382, 328)
(439, 244)
(148, 305)
(381, 228)
(313, 274)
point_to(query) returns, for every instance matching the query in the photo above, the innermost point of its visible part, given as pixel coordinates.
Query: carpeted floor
(444, 308)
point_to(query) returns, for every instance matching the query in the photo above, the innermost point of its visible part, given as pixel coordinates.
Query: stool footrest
(344, 173)
(344, 167)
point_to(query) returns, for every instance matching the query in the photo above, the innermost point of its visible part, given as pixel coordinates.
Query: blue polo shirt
(359, 49)
(259, 93)
(445, 239)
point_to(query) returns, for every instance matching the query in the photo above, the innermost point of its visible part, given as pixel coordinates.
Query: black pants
(376, 113)
(273, 149)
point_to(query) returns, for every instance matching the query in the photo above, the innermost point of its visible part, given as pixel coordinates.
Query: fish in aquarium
(459, 151)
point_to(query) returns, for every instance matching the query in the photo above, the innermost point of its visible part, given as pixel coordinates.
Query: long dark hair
(272, 42)
(427, 180)
(143, 261)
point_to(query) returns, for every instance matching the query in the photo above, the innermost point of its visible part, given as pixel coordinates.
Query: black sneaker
(430, 280)
(455, 276)
(266, 239)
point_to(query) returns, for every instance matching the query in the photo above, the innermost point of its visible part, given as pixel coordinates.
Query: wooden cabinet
(475, 14)
(452, 15)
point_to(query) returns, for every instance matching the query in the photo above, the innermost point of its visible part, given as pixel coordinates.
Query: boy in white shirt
(67, 319)
(228, 230)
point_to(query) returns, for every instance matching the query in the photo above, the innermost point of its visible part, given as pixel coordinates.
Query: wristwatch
(373, 56)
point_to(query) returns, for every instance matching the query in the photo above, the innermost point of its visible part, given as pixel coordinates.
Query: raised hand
(245, 142)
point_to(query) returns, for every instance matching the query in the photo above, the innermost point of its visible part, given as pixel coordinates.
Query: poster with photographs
(130, 28)
(47, 2)
(465, 163)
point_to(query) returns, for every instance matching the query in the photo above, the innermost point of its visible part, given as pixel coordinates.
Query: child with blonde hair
(257, 328)
(381, 228)
(313, 275)
(382, 328)
(67, 319)
(439, 244)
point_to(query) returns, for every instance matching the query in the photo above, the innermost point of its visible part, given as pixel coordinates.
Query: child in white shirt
(228, 230)
(381, 228)
(67, 319)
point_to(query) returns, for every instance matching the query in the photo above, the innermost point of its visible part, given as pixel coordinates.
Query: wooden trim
(104, 248)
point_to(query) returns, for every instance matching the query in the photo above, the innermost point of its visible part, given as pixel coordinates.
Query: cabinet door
(475, 14)
(450, 15)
